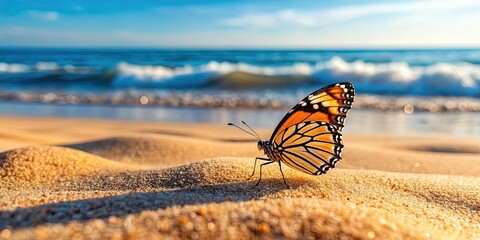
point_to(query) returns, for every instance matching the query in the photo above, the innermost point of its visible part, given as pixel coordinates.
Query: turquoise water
(387, 72)
(259, 77)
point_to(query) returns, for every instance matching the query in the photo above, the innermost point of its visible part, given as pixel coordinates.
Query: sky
(241, 24)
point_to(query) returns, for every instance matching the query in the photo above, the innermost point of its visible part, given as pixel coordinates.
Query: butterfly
(309, 137)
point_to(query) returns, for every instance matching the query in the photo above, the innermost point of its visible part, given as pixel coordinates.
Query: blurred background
(415, 64)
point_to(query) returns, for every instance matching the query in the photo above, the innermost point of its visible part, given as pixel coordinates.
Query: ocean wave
(13, 68)
(23, 68)
(221, 73)
(457, 79)
(47, 72)
(448, 79)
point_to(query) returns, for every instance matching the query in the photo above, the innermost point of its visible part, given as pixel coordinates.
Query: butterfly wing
(310, 147)
(329, 104)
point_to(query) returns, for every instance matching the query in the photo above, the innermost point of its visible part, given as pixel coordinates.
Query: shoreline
(233, 100)
(465, 124)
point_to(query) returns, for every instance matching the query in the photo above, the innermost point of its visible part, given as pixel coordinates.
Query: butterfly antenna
(252, 130)
(231, 124)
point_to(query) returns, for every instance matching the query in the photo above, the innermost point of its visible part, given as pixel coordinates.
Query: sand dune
(163, 150)
(40, 166)
(164, 181)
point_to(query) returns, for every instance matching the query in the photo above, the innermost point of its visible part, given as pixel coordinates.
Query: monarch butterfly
(309, 137)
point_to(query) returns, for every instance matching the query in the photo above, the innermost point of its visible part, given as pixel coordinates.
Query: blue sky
(241, 24)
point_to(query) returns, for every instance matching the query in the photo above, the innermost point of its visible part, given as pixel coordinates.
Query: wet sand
(74, 178)
(234, 100)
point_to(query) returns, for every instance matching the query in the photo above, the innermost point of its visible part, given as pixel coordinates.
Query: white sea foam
(460, 79)
(450, 79)
(46, 66)
(160, 76)
(13, 68)
(23, 68)
(188, 76)
(17, 68)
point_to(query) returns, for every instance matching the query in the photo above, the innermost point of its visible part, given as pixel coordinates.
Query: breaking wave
(449, 79)
(460, 79)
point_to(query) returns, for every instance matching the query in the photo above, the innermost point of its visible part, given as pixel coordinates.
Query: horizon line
(245, 48)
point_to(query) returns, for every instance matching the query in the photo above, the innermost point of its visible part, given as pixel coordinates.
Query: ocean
(229, 85)
(385, 72)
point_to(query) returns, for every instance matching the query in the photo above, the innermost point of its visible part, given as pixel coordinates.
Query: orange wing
(310, 147)
(329, 104)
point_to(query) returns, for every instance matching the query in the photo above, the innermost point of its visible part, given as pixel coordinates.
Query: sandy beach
(76, 178)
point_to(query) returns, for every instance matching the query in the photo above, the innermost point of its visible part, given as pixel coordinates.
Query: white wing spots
(337, 150)
(302, 103)
(315, 106)
(329, 127)
(301, 125)
(338, 138)
(334, 161)
(313, 97)
(324, 168)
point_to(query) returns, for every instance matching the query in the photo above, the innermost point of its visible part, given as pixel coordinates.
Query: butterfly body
(268, 150)
(309, 137)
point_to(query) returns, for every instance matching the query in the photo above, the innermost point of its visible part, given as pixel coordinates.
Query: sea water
(446, 72)
(90, 80)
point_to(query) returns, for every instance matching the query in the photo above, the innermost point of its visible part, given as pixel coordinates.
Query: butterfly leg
(263, 164)
(255, 166)
(280, 165)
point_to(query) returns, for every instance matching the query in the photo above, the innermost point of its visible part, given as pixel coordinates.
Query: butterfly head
(262, 144)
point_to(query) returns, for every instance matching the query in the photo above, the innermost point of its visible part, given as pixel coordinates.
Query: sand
(74, 178)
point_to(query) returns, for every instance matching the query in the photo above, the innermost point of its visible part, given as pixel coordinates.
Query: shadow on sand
(121, 205)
